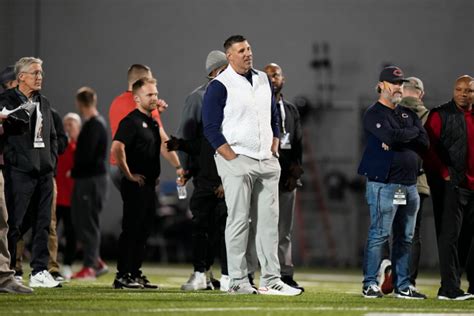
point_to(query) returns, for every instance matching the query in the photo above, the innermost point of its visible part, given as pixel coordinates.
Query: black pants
(20, 188)
(465, 242)
(139, 206)
(64, 213)
(88, 199)
(416, 243)
(208, 226)
(452, 207)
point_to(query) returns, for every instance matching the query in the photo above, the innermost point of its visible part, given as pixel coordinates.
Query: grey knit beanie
(214, 60)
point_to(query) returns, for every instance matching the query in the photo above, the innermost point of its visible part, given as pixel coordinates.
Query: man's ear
(136, 98)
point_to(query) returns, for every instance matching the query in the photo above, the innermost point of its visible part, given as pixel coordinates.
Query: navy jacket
(402, 131)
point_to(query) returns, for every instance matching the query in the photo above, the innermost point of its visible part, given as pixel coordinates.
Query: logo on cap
(397, 72)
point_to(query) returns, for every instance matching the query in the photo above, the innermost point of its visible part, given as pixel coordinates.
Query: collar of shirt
(23, 97)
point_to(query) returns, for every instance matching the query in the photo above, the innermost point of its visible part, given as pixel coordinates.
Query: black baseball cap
(7, 74)
(392, 74)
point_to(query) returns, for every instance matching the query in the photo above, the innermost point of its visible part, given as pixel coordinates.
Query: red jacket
(63, 177)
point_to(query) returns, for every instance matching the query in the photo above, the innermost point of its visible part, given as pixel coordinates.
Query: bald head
(137, 71)
(471, 92)
(275, 74)
(462, 91)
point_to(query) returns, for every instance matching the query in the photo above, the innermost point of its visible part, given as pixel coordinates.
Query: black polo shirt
(141, 136)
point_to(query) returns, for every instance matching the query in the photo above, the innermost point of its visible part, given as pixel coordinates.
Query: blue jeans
(385, 216)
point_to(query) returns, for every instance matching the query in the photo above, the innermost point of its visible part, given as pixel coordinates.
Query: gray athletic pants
(251, 184)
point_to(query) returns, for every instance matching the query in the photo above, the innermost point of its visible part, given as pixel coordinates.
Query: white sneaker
(242, 288)
(197, 281)
(43, 279)
(279, 288)
(225, 283)
(66, 271)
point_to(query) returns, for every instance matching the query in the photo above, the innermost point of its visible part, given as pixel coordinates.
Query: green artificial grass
(328, 292)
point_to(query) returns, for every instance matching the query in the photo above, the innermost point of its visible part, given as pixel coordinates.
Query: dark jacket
(291, 160)
(402, 131)
(19, 153)
(452, 146)
(60, 133)
(190, 128)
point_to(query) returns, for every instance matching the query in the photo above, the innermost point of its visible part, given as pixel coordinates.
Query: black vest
(452, 146)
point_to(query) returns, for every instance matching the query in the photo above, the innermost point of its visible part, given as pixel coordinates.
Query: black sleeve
(378, 125)
(60, 133)
(126, 131)
(191, 146)
(298, 150)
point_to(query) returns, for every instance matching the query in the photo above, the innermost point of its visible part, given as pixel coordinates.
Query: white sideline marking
(412, 311)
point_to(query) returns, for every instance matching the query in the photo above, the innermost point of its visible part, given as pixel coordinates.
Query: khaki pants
(251, 192)
(5, 271)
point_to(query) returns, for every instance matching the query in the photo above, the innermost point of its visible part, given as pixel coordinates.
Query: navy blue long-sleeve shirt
(402, 131)
(213, 112)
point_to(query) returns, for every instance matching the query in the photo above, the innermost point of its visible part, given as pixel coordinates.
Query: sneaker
(384, 277)
(12, 286)
(101, 268)
(58, 276)
(454, 295)
(126, 281)
(143, 280)
(66, 271)
(410, 293)
(288, 280)
(197, 281)
(43, 279)
(243, 288)
(212, 283)
(372, 291)
(279, 288)
(251, 280)
(224, 283)
(19, 276)
(85, 274)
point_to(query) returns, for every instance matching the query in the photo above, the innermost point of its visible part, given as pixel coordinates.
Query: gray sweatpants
(251, 184)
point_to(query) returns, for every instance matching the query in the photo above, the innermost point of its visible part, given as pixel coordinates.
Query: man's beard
(396, 99)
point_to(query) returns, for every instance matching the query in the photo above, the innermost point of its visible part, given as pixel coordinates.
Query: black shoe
(288, 280)
(216, 284)
(126, 281)
(143, 280)
(454, 295)
(372, 291)
(470, 290)
(58, 276)
(410, 293)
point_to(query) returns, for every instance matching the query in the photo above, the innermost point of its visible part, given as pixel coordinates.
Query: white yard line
(390, 311)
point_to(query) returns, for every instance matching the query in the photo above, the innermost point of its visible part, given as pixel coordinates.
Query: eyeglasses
(36, 74)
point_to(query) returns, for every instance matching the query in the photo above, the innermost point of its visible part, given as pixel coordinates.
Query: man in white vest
(240, 121)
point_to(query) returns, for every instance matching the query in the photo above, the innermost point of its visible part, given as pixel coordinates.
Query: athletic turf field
(334, 292)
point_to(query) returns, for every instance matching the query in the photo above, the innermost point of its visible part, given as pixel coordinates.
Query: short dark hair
(141, 82)
(232, 40)
(86, 96)
(137, 71)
